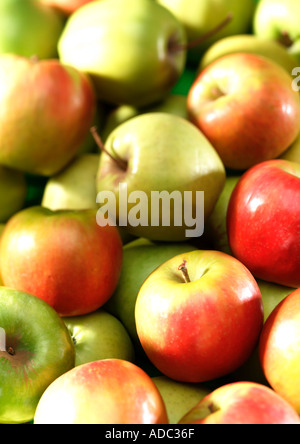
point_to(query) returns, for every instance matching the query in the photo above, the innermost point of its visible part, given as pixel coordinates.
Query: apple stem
(285, 39)
(184, 272)
(120, 162)
(203, 38)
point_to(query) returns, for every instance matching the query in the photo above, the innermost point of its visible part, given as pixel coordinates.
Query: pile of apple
(104, 323)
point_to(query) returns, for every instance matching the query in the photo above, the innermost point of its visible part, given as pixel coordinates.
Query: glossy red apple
(109, 391)
(199, 316)
(66, 6)
(62, 257)
(242, 403)
(279, 349)
(46, 112)
(246, 107)
(263, 222)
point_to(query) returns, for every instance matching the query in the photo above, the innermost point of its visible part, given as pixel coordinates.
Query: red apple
(242, 403)
(279, 349)
(263, 221)
(46, 112)
(246, 107)
(66, 6)
(109, 391)
(62, 257)
(199, 316)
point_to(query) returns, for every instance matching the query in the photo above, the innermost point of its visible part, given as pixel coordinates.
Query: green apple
(73, 188)
(216, 224)
(293, 153)
(173, 104)
(99, 335)
(36, 348)
(179, 397)
(148, 169)
(140, 259)
(251, 44)
(279, 20)
(200, 17)
(272, 295)
(136, 61)
(29, 28)
(13, 191)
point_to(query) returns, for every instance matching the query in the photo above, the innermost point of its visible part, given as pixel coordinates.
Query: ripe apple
(29, 28)
(279, 20)
(42, 143)
(179, 397)
(136, 62)
(242, 403)
(263, 221)
(140, 259)
(251, 44)
(97, 336)
(36, 348)
(246, 107)
(199, 316)
(13, 191)
(74, 187)
(146, 148)
(67, 7)
(110, 391)
(279, 349)
(201, 17)
(62, 257)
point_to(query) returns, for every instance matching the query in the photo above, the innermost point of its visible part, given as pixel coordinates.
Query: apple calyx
(285, 39)
(11, 351)
(184, 272)
(122, 164)
(175, 46)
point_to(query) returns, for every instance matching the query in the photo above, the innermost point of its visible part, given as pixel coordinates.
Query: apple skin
(293, 153)
(202, 330)
(179, 397)
(43, 350)
(250, 44)
(263, 222)
(110, 391)
(13, 191)
(274, 18)
(193, 163)
(67, 7)
(97, 336)
(140, 258)
(114, 57)
(67, 99)
(245, 105)
(242, 403)
(28, 28)
(279, 349)
(42, 251)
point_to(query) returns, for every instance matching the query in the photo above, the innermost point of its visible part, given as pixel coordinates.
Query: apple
(179, 397)
(272, 295)
(75, 187)
(216, 224)
(13, 191)
(29, 28)
(136, 62)
(109, 391)
(263, 221)
(173, 104)
(67, 7)
(293, 153)
(146, 160)
(35, 142)
(97, 336)
(245, 105)
(279, 349)
(279, 20)
(200, 17)
(242, 403)
(140, 258)
(62, 257)
(199, 316)
(252, 44)
(36, 348)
